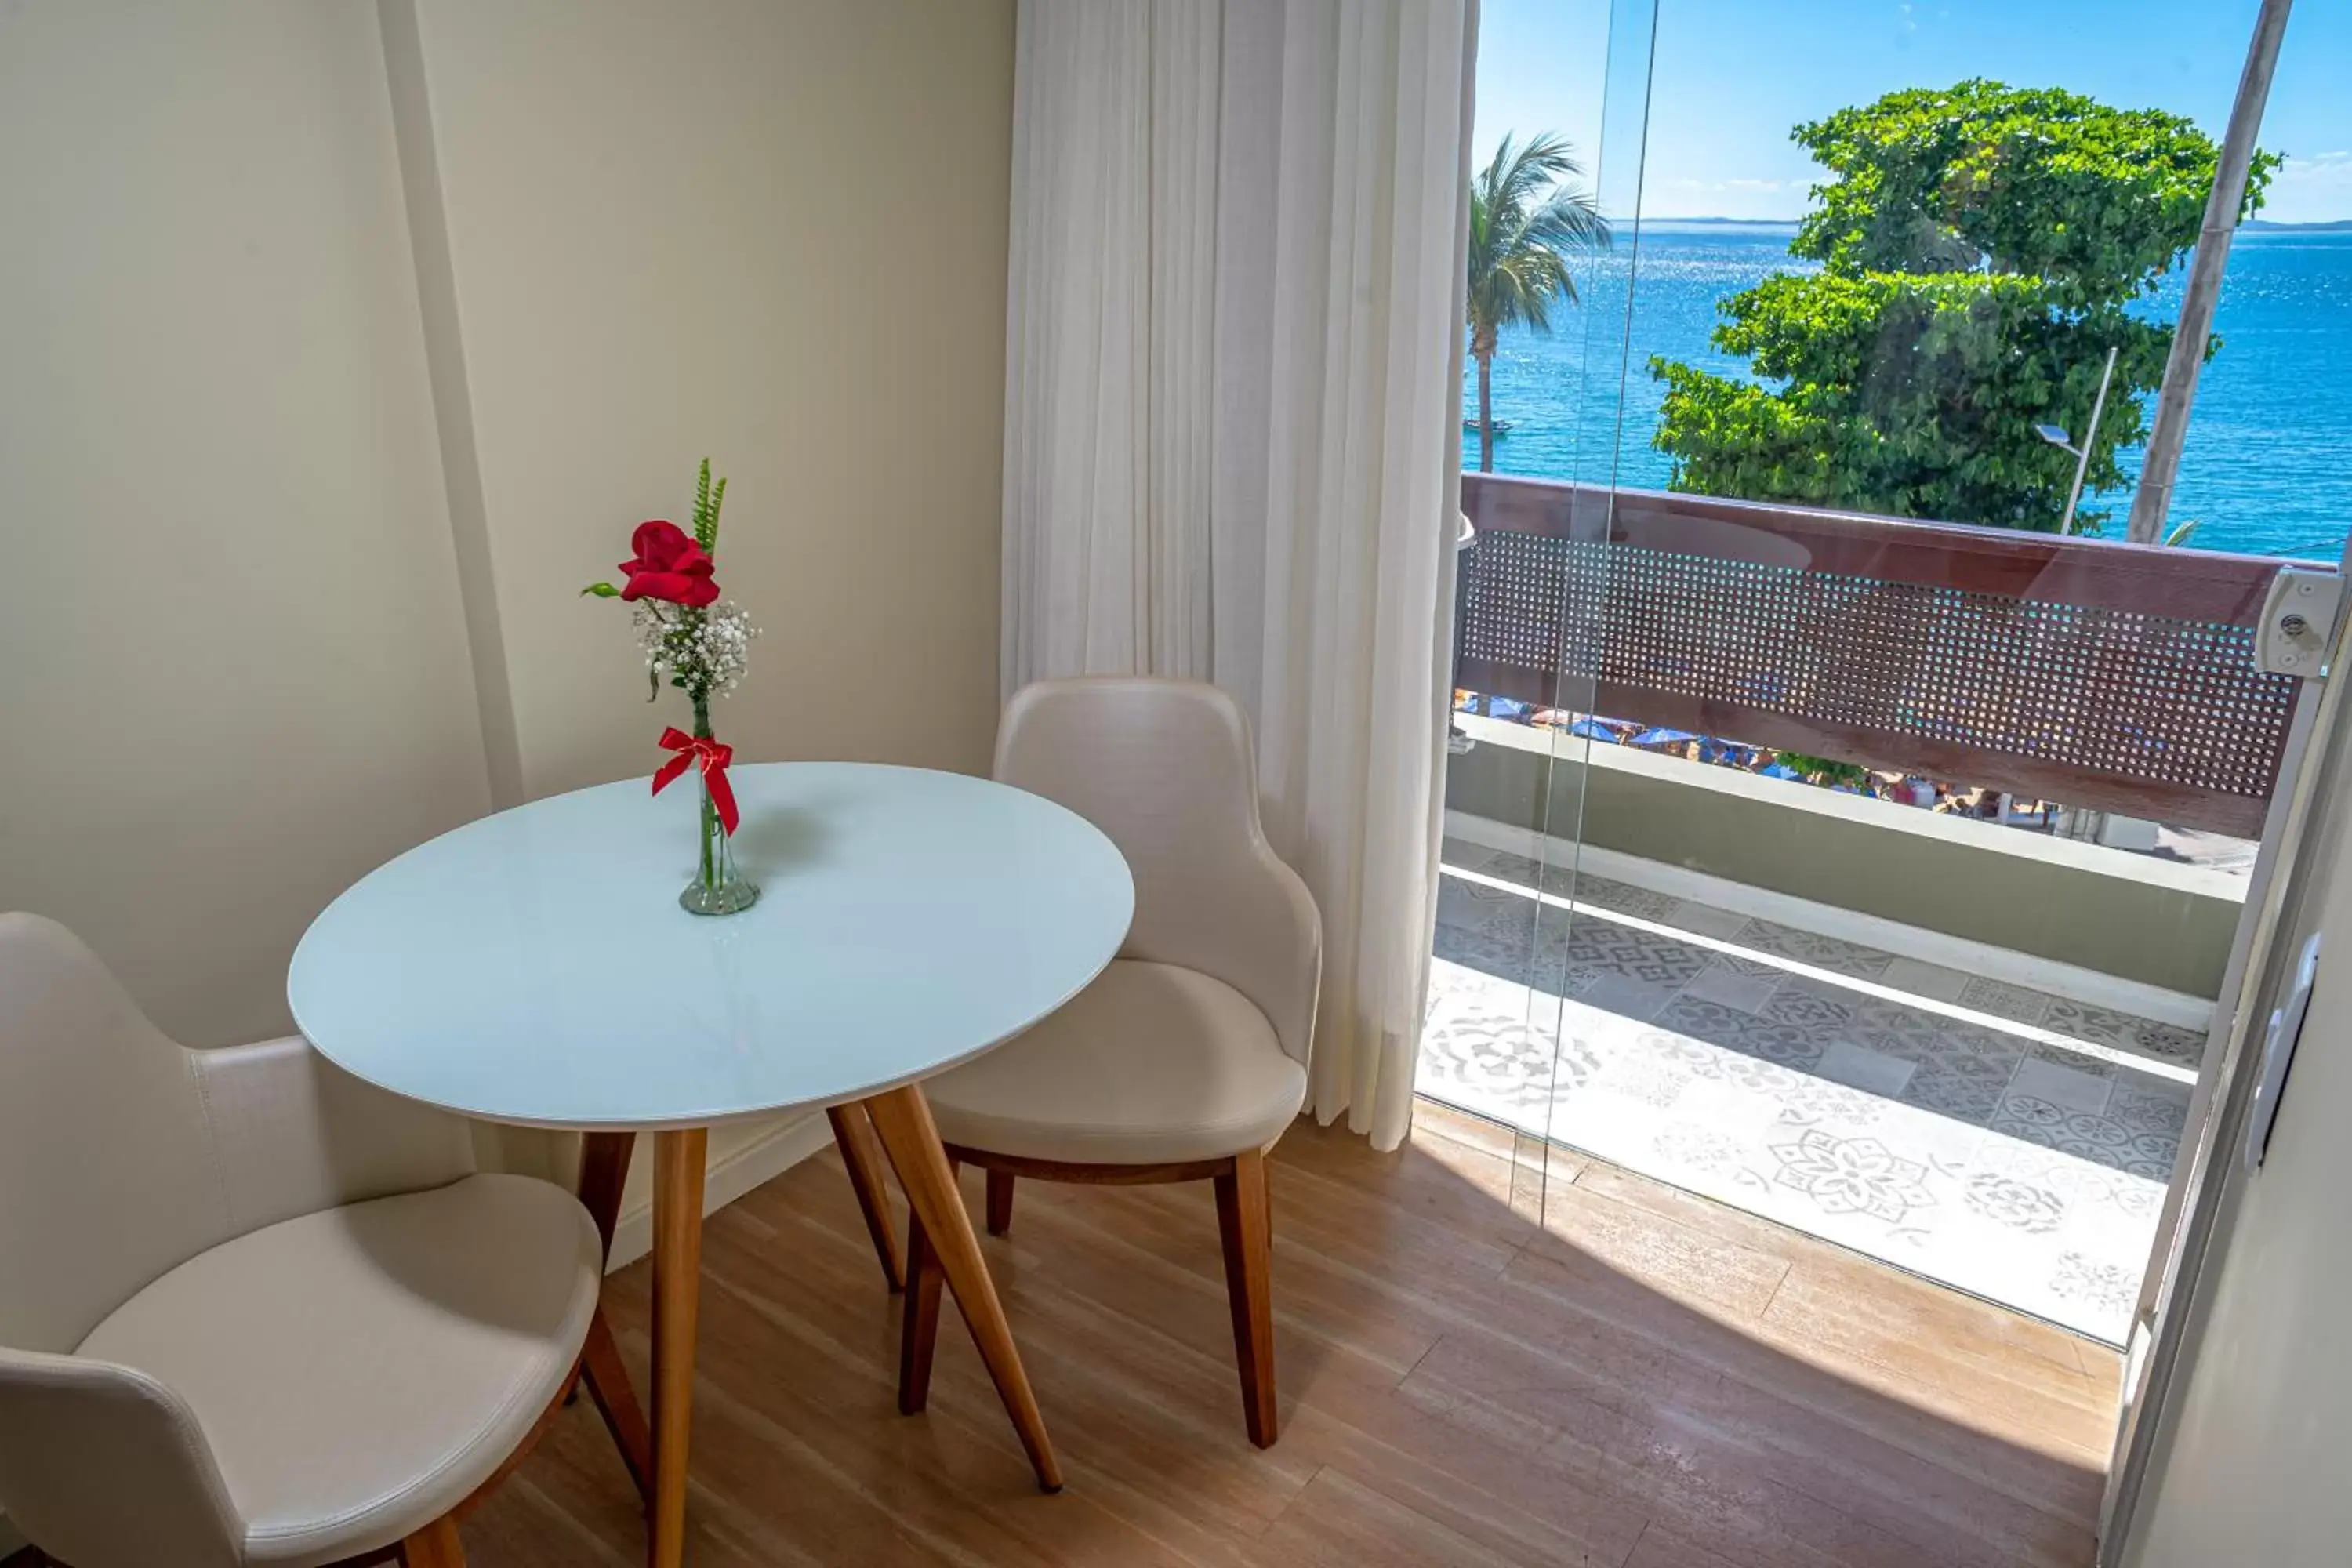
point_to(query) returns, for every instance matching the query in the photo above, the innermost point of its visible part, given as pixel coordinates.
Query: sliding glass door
(1854, 805)
(1563, 101)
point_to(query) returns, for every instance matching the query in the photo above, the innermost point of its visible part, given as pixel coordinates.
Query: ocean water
(2267, 468)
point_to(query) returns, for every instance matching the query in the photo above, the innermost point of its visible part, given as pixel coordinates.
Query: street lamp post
(2056, 436)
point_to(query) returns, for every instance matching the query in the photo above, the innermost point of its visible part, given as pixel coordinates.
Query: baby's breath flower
(706, 651)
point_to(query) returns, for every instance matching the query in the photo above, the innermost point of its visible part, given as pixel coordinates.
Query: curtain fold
(1231, 443)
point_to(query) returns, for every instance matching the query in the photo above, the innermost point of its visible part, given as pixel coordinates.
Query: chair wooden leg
(902, 1120)
(608, 1384)
(435, 1546)
(853, 1132)
(1245, 1219)
(918, 1329)
(999, 1202)
(603, 1170)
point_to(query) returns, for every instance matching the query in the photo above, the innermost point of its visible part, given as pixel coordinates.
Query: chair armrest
(1275, 951)
(100, 1463)
(294, 1133)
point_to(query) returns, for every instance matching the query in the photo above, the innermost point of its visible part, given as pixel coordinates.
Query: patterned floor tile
(1852, 1176)
(1593, 943)
(1703, 1020)
(1614, 991)
(1956, 1038)
(2070, 1087)
(2103, 1287)
(2150, 1105)
(1859, 1067)
(1967, 1057)
(1623, 898)
(1917, 977)
(2087, 1135)
(2073, 1061)
(1782, 1044)
(1519, 961)
(1963, 1097)
(1721, 982)
(1833, 954)
(1489, 910)
(2003, 1000)
(2122, 1031)
(1903, 1032)
(1993, 1159)
(2019, 1206)
(1704, 920)
(1649, 1080)
(1498, 1039)
(1548, 876)
(1464, 856)
(1807, 1098)
(1809, 1005)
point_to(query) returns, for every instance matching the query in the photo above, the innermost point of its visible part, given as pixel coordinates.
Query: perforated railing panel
(1911, 665)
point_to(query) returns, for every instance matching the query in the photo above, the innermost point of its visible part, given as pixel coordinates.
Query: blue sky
(1731, 76)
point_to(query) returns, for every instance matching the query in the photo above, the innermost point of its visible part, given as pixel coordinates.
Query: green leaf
(707, 499)
(602, 590)
(1530, 223)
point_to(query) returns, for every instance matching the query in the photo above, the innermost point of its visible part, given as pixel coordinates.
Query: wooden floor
(1646, 1380)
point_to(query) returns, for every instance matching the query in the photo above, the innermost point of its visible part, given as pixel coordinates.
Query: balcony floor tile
(1941, 1128)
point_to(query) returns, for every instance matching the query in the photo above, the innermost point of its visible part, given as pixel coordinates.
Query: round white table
(534, 968)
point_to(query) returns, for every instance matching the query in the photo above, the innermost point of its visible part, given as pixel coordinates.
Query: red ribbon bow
(712, 757)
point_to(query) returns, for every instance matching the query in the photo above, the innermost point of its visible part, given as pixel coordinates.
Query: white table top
(534, 967)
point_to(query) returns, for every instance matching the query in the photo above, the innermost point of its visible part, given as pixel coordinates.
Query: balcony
(1965, 1048)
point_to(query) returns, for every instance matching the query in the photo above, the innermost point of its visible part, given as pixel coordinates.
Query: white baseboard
(731, 1175)
(1964, 953)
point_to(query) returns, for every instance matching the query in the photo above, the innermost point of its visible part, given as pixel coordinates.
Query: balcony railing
(2103, 675)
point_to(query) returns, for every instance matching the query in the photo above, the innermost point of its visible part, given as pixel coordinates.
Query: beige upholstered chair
(1186, 1058)
(253, 1310)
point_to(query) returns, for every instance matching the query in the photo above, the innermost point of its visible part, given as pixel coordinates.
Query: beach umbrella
(1663, 738)
(1591, 729)
(1781, 771)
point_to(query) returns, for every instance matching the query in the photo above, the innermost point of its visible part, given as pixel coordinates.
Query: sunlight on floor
(2002, 1141)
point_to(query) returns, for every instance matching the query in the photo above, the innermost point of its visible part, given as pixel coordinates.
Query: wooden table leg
(678, 1160)
(853, 1132)
(902, 1118)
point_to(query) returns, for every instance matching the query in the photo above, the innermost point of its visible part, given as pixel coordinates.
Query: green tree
(1980, 250)
(1527, 221)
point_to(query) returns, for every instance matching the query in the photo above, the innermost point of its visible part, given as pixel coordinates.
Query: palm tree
(1526, 220)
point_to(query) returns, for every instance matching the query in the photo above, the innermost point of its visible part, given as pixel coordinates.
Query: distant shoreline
(2255, 225)
(1726, 222)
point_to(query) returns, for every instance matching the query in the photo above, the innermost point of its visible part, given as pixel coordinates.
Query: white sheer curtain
(1231, 428)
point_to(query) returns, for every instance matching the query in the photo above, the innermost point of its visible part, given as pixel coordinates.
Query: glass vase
(718, 889)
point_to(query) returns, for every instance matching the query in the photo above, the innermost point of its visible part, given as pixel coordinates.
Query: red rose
(668, 565)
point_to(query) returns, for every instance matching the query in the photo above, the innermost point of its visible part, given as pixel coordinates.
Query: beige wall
(232, 672)
(2256, 1444)
(340, 343)
(772, 234)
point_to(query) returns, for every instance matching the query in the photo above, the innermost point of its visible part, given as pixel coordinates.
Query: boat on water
(1502, 427)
